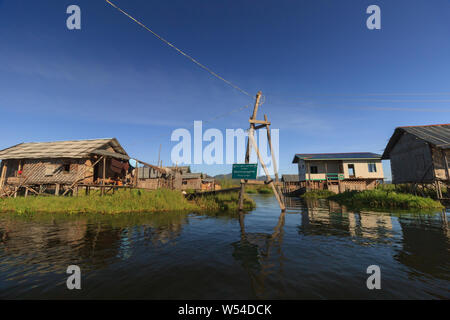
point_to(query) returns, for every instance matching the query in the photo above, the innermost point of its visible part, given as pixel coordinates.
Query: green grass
(123, 201)
(261, 189)
(380, 198)
(317, 194)
(228, 183)
(224, 202)
(428, 191)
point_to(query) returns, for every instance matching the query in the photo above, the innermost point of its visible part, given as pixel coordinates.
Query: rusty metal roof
(60, 149)
(437, 135)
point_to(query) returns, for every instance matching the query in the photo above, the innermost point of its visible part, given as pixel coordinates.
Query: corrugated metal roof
(290, 177)
(59, 149)
(336, 156)
(183, 169)
(437, 135)
(191, 175)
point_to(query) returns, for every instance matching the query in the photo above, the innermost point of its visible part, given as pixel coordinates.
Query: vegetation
(123, 201)
(224, 202)
(424, 190)
(261, 189)
(249, 188)
(228, 183)
(387, 196)
(379, 198)
(317, 194)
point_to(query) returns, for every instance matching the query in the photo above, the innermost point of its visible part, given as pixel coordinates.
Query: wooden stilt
(269, 138)
(275, 190)
(248, 151)
(57, 189)
(102, 190)
(3, 175)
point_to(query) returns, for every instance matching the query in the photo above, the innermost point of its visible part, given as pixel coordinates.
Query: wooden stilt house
(420, 155)
(63, 165)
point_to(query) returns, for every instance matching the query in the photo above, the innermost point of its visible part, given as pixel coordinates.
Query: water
(315, 251)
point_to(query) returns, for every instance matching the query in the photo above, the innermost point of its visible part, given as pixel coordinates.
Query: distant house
(339, 171)
(290, 182)
(152, 177)
(419, 154)
(187, 180)
(62, 164)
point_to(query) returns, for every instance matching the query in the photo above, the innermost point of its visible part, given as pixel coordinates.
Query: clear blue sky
(331, 85)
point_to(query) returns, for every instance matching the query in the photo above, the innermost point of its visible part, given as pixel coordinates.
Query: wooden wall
(439, 163)
(44, 171)
(411, 160)
(195, 184)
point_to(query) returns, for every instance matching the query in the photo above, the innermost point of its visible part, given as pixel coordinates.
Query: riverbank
(249, 188)
(377, 198)
(125, 201)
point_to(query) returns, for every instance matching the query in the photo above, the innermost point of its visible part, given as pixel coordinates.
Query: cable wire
(178, 50)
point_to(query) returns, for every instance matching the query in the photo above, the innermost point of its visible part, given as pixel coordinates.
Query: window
(314, 169)
(372, 167)
(66, 168)
(351, 170)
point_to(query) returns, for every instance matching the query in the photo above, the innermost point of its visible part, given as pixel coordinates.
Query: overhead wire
(179, 50)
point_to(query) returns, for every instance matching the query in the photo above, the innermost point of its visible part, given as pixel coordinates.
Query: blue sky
(330, 84)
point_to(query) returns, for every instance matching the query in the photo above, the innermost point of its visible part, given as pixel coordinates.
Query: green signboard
(244, 171)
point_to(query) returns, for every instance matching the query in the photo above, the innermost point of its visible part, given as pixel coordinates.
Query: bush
(123, 201)
(382, 198)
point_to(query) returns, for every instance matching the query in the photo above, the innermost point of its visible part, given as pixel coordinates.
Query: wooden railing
(335, 176)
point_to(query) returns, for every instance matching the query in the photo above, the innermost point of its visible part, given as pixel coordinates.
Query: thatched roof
(60, 149)
(437, 135)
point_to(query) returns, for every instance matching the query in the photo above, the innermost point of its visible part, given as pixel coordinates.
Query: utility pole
(251, 141)
(159, 154)
(248, 151)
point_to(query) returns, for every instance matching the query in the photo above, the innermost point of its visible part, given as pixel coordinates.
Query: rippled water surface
(314, 251)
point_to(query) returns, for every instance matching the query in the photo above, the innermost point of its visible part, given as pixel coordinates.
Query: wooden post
(438, 189)
(3, 176)
(252, 140)
(447, 173)
(57, 189)
(26, 192)
(275, 170)
(102, 190)
(248, 151)
(159, 154)
(137, 173)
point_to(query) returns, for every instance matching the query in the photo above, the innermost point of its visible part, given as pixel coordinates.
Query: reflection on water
(314, 250)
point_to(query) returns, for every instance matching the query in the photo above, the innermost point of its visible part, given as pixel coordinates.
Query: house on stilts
(339, 172)
(65, 166)
(420, 155)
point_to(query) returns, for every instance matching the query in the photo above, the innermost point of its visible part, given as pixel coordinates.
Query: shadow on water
(314, 250)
